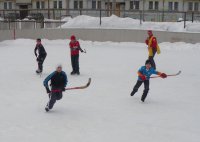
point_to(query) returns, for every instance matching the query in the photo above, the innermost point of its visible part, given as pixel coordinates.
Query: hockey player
(58, 83)
(144, 74)
(75, 47)
(152, 47)
(42, 55)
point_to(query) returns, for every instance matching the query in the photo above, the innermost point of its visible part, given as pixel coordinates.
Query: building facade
(118, 7)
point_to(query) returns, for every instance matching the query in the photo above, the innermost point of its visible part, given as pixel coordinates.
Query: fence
(58, 14)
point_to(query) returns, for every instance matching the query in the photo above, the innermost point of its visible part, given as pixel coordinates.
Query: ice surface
(104, 112)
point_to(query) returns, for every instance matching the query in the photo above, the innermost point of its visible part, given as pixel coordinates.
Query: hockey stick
(167, 75)
(73, 88)
(80, 87)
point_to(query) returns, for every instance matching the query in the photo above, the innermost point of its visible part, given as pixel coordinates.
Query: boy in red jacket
(75, 47)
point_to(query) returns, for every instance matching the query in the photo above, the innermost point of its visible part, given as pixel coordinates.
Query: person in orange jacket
(153, 47)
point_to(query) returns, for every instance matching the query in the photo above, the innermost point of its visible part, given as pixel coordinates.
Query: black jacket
(58, 80)
(41, 50)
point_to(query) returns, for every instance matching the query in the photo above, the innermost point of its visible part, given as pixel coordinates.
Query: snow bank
(115, 22)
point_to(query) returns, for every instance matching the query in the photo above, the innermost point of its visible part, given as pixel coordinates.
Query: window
(196, 6)
(131, 4)
(10, 5)
(55, 4)
(60, 4)
(150, 5)
(75, 4)
(43, 4)
(136, 5)
(80, 4)
(190, 6)
(170, 6)
(99, 4)
(176, 6)
(156, 5)
(7, 5)
(38, 4)
(94, 4)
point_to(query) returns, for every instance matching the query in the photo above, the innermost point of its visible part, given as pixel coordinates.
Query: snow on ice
(104, 112)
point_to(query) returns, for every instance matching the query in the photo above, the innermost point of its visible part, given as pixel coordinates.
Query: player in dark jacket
(144, 74)
(58, 83)
(39, 48)
(75, 48)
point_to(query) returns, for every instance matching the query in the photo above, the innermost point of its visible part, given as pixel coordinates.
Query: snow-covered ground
(104, 112)
(114, 22)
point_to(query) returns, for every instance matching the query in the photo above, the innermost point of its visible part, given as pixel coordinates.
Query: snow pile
(104, 112)
(115, 22)
(66, 19)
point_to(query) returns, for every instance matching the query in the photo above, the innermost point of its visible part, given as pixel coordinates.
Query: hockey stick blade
(81, 87)
(168, 75)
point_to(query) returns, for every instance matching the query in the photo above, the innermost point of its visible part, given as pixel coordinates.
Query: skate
(72, 73)
(78, 73)
(47, 108)
(38, 71)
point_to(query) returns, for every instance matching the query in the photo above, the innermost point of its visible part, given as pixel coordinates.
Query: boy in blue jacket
(58, 83)
(144, 74)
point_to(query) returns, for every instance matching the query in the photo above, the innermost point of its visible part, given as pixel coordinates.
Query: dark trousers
(151, 58)
(40, 60)
(137, 86)
(53, 97)
(75, 63)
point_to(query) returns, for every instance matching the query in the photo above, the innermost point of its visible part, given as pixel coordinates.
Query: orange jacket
(152, 43)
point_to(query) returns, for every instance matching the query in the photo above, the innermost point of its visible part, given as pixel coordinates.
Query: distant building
(110, 5)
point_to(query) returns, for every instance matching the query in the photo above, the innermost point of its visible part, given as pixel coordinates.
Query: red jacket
(75, 47)
(154, 42)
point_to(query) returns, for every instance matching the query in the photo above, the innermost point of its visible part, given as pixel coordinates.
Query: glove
(63, 89)
(163, 75)
(143, 77)
(48, 91)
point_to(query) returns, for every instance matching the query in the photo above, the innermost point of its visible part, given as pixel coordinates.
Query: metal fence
(58, 14)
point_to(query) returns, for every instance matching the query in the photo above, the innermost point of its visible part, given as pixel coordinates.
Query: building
(59, 8)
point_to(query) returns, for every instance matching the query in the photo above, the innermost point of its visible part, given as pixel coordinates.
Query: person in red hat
(153, 47)
(75, 48)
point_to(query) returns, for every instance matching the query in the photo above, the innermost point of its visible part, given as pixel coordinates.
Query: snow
(104, 112)
(114, 22)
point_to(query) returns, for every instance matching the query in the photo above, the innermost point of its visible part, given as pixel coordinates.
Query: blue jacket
(58, 80)
(146, 72)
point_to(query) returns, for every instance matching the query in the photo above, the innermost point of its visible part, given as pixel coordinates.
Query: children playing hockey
(58, 83)
(152, 48)
(75, 47)
(40, 57)
(144, 74)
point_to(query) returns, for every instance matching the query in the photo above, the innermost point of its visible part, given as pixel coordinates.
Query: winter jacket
(152, 43)
(41, 51)
(147, 73)
(75, 47)
(58, 80)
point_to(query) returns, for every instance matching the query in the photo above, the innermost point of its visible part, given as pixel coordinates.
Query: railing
(58, 14)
